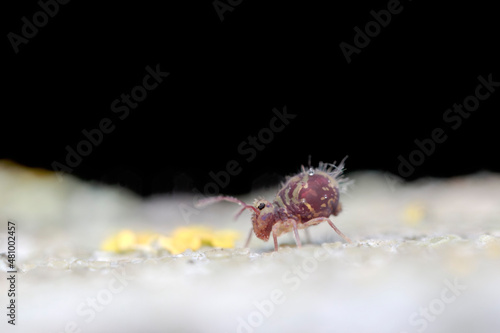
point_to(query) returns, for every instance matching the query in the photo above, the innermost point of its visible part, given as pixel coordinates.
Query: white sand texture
(425, 257)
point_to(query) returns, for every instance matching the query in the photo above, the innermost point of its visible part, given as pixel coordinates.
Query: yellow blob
(172, 245)
(182, 239)
(122, 242)
(414, 213)
(225, 238)
(146, 238)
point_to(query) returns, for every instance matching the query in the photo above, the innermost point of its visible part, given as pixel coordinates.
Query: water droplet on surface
(310, 171)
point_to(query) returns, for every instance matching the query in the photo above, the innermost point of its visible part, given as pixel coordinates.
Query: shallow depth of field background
(425, 256)
(144, 108)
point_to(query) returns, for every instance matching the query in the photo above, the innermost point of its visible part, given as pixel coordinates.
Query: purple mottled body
(309, 196)
(306, 199)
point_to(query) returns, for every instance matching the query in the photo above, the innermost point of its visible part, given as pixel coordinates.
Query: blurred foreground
(425, 257)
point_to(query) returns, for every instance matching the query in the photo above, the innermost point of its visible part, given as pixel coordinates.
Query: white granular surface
(425, 258)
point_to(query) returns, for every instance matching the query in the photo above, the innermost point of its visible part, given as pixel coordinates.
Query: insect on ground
(305, 199)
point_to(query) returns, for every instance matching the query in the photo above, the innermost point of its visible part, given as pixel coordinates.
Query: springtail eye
(261, 206)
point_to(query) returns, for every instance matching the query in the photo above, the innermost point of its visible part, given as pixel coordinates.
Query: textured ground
(425, 258)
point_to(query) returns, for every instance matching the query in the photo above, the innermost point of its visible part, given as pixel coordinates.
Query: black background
(227, 76)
